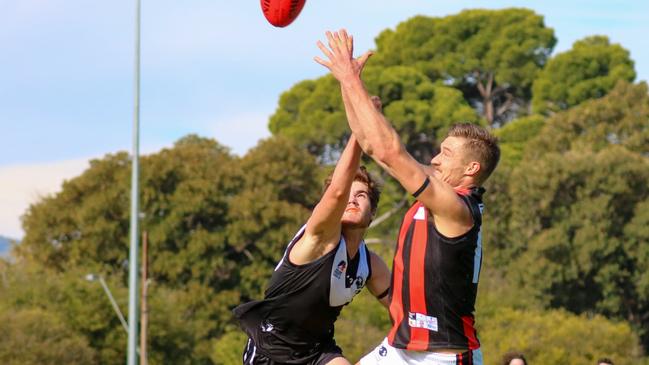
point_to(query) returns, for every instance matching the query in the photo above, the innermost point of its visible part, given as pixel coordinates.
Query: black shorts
(252, 357)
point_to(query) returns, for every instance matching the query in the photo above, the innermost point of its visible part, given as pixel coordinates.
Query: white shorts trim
(384, 354)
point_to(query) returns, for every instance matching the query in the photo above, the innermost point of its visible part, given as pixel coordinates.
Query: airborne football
(281, 13)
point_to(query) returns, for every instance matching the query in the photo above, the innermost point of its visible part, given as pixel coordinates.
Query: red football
(281, 13)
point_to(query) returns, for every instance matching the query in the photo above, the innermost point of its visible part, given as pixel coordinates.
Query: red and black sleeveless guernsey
(435, 282)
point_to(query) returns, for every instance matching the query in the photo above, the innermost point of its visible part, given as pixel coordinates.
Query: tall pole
(145, 290)
(133, 255)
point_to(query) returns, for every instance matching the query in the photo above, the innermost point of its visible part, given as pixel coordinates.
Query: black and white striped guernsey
(295, 320)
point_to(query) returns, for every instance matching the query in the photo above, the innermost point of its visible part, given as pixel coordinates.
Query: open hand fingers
(322, 62)
(340, 43)
(325, 50)
(333, 44)
(363, 59)
(339, 52)
(347, 40)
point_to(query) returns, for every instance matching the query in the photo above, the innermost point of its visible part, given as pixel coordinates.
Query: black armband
(384, 294)
(421, 188)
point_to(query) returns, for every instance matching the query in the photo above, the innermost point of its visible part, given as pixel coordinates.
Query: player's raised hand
(340, 59)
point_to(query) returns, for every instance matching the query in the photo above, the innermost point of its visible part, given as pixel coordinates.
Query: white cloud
(22, 185)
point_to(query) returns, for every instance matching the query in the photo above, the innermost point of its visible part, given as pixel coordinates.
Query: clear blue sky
(214, 68)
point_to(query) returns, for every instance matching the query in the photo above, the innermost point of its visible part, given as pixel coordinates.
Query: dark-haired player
(325, 265)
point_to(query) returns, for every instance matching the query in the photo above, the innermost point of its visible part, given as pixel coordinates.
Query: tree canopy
(575, 203)
(587, 71)
(492, 56)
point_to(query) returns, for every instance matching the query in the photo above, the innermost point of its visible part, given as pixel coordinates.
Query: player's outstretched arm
(323, 227)
(381, 142)
(379, 282)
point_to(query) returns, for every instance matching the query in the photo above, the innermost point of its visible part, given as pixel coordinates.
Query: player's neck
(353, 238)
(466, 183)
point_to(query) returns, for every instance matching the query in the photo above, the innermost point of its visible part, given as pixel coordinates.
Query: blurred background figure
(514, 358)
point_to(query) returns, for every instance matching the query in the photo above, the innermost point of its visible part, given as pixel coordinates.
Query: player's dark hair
(363, 176)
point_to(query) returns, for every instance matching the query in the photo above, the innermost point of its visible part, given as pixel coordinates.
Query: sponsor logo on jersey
(383, 351)
(358, 280)
(419, 320)
(267, 326)
(340, 268)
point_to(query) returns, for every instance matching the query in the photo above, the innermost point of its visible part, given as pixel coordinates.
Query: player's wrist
(350, 81)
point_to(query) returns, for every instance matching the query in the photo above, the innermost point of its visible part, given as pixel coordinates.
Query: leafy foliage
(587, 71)
(229, 348)
(575, 199)
(570, 212)
(515, 135)
(50, 340)
(620, 118)
(492, 56)
(557, 337)
(76, 308)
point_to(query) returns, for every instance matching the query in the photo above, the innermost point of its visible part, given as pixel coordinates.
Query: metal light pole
(94, 277)
(133, 255)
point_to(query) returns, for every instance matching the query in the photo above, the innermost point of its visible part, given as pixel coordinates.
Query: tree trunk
(144, 319)
(487, 96)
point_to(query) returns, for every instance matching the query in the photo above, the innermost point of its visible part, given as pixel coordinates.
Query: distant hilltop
(5, 246)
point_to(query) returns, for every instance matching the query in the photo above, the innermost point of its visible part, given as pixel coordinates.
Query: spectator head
(514, 358)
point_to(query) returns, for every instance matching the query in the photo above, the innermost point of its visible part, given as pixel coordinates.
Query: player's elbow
(336, 192)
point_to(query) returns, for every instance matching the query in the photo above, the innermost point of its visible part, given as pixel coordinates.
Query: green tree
(576, 203)
(228, 349)
(589, 70)
(492, 56)
(54, 239)
(311, 114)
(619, 118)
(557, 337)
(76, 307)
(571, 212)
(514, 136)
(497, 238)
(184, 190)
(33, 336)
